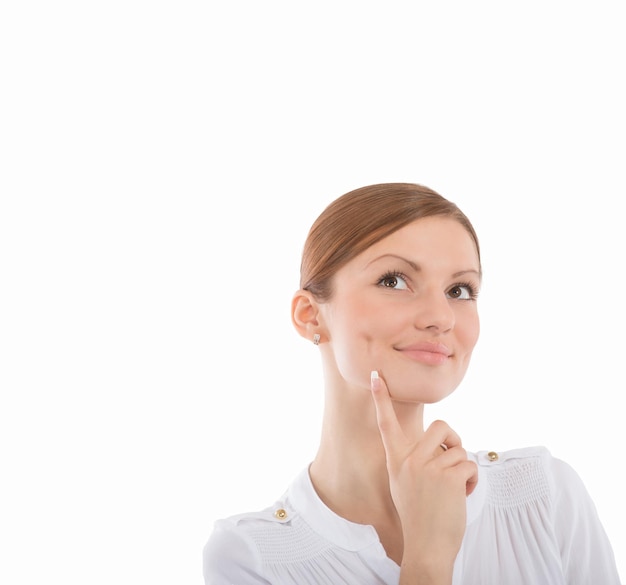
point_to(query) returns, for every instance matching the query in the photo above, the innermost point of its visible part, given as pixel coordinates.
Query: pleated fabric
(530, 521)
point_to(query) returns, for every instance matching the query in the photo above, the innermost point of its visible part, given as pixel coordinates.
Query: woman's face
(406, 307)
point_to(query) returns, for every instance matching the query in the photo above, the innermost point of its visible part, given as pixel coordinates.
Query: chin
(421, 395)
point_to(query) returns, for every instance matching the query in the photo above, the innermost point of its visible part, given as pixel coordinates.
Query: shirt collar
(341, 532)
(351, 536)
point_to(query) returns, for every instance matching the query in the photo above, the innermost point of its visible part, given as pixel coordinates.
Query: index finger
(388, 424)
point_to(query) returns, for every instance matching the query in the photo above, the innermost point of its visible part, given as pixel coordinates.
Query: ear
(304, 314)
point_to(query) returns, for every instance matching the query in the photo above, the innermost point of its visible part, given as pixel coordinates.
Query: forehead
(440, 240)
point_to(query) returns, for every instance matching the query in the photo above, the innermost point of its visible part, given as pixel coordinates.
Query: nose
(434, 312)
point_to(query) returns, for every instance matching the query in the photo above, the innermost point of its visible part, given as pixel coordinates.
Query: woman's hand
(429, 481)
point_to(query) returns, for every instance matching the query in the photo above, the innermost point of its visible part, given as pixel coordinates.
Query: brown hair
(360, 218)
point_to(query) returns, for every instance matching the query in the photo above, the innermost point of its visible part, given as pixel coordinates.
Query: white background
(161, 163)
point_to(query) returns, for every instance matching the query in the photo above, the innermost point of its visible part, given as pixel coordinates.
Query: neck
(349, 471)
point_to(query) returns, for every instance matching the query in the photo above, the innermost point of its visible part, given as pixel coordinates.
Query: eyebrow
(417, 267)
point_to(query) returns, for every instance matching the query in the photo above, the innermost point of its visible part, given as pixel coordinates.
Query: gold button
(492, 456)
(280, 514)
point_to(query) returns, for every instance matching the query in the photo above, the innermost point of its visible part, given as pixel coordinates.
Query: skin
(376, 464)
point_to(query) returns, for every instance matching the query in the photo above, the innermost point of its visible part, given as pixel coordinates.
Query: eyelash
(392, 274)
(473, 292)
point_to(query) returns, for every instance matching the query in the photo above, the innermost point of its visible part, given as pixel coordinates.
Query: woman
(389, 281)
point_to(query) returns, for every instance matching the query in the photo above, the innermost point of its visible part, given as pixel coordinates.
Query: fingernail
(375, 380)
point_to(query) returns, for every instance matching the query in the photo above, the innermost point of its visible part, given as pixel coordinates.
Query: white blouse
(530, 521)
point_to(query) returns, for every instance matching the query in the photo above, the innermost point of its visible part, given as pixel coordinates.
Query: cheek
(356, 335)
(469, 330)
(353, 335)
(367, 329)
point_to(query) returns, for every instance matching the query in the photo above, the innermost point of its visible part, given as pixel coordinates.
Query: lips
(427, 352)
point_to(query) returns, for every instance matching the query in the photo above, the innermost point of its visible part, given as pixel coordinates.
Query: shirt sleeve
(586, 552)
(230, 558)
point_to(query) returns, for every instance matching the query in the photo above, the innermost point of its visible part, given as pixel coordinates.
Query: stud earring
(316, 339)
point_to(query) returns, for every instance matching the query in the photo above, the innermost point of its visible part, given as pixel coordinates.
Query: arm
(586, 553)
(230, 559)
(429, 486)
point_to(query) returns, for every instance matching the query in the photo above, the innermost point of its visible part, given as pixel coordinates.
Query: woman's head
(359, 219)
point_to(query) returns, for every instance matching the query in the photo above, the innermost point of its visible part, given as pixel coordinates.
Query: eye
(464, 292)
(393, 280)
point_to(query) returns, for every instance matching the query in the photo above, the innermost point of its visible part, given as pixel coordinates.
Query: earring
(316, 339)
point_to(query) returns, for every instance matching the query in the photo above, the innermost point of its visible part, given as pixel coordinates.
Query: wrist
(426, 566)
(425, 572)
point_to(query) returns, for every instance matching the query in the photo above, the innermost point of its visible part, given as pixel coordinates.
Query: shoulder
(532, 502)
(518, 475)
(236, 549)
(524, 461)
(531, 479)
(247, 527)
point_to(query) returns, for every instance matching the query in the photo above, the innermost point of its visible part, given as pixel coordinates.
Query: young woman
(389, 280)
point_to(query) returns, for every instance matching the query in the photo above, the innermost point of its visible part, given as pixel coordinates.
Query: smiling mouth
(429, 353)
